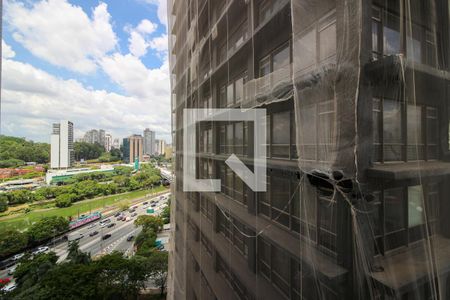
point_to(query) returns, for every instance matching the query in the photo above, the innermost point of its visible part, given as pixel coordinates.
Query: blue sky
(100, 64)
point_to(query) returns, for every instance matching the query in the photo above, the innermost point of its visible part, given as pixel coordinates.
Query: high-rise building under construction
(357, 98)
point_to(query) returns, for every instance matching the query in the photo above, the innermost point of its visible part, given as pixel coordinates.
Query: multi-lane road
(96, 245)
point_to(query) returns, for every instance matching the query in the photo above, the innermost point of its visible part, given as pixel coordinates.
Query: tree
(165, 214)
(87, 151)
(65, 200)
(158, 264)
(46, 228)
(32, 269)
(154, 223)
(20, 197)
(14, 151)
(76, 256)
(12, 241)
(3, 202)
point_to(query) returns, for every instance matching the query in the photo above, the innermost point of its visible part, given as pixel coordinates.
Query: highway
(95, 245)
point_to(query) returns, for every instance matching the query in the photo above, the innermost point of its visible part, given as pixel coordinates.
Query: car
(76, 237)
(93, 233)
(106, 236)
(162, 197)
(41, 250)
(130, 238)
(9, 287)
(127, 219)
(111, 225)
(92, 225)
(117, 214)
(120, 218)
(134, 214)
(18, 256)
(145, 203)
(153, 205)
(12, 270)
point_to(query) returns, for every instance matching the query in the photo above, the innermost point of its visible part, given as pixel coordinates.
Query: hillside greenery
(15, 151)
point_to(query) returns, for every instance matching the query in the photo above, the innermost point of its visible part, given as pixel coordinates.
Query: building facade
(116, 143)
(149, 142)
(136, 149)
(62, 155)
(108, 142)
(357, 97)
(160, 147)
(126, 150)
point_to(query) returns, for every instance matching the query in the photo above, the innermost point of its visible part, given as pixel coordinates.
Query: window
(415, 143)
(327, 223)
(416, 207)
(317, 44)
(234, 92)
(280, 269)
(265, 10)
(274, 71)
(421, 133)
(206, 207)
(234, 231)
(281, 134)
(391, 35)
(232, 280)
(405, 211)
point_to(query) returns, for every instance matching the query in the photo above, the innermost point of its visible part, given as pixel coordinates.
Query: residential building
(149, 142)
(357, 98)
(108, 142)
(160, 147)
(101, 137)
(62, 155)
(116, 144)
(168, 152)
(136, 148)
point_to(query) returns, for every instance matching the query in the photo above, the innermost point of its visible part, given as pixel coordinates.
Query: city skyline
(86, 78)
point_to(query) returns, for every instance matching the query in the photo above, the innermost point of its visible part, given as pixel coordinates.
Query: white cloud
(32, 99)
(160, 43)
(146, 27)
(162, 9)
(7, 51)
(61, 33)
(139, 40)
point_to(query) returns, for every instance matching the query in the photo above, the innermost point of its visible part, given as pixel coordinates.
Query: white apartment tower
(62, 154)
(108, 142)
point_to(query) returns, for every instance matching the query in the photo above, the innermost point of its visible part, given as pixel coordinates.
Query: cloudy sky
(99, 64)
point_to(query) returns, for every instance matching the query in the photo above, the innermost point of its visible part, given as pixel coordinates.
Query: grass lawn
(23, 220)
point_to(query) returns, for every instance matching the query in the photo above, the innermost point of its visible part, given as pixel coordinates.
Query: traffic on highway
(112, 233)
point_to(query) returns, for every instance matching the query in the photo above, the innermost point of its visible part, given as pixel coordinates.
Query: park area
(21, 221)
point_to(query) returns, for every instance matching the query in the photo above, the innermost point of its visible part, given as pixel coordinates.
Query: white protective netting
(356, 94)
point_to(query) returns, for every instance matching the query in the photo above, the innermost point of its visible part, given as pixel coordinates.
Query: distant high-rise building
(108, 142)
(149, 142)
(116, 144)
(126, 150)
(101, 137)
(135, 147)
(61, 153)
(160, 146)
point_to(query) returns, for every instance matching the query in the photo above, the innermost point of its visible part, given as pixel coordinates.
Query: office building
(62, 155)
(136, 148)
(95, 136)
(357, 97)
(160, 147)
(108, 142)
(149, 142)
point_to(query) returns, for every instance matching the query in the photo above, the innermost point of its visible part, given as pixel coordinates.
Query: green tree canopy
(47, 227)
(19, 149)
(12, 241)
(87, 151)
